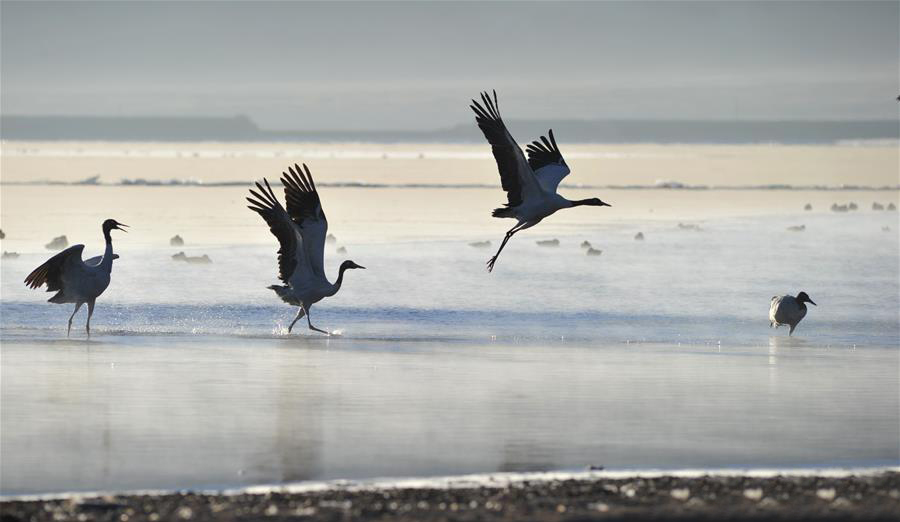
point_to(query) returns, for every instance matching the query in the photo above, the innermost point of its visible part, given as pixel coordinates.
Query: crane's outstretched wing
(305, 209)
(516, 175)
(547, 162)
(290, 254)
(53, 271)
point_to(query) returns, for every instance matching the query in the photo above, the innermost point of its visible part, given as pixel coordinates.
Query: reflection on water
(183, 412)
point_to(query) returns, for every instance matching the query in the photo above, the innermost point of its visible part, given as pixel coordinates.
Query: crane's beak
(120, 225)
(812, 302)
(360, 266)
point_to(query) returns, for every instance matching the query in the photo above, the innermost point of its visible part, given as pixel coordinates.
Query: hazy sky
(415, 65)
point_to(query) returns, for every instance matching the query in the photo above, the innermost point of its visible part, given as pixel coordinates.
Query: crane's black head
(592, 202)
(803, 298)
(347, 265)
(112, 224)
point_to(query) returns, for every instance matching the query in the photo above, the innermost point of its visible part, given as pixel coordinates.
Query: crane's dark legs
(77, 307)
(311, 327)
(300, 314)
(491, 261)
(90, 313)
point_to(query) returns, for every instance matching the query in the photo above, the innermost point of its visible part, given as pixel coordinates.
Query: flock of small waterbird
(301, 229)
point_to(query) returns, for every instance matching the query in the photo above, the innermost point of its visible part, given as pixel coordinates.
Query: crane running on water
(789, 310)
(530, 184)
(301, 231)
(74, 280)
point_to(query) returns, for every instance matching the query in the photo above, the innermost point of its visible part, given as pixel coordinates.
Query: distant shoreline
(241, 128)
(140, 182)
(870, 494)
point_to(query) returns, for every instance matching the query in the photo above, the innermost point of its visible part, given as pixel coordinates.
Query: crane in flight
(530, 184)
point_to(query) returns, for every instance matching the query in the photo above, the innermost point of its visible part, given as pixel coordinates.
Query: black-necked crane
(74, 280)
(301, 230)
(789, 310)
(530, 184)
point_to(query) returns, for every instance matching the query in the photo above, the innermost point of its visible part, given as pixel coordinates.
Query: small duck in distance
(788, 310)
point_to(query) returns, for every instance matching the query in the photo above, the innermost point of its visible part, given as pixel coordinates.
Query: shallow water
(709, 285)
(656, 354)
(180, 412)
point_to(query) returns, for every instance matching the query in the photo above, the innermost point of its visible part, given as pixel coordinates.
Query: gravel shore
(812, 497)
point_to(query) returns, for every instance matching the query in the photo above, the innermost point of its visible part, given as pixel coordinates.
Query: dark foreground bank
(855, 497)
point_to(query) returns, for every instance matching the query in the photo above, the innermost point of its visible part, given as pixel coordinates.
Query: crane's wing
(773, 307)
(94, 261)
(547, 162)
(305, 209)
(56, 270)
(516, 175)
(291, 258)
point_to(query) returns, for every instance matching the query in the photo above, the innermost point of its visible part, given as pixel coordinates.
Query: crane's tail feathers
(284, 293)
(503, 212)
(59, 298)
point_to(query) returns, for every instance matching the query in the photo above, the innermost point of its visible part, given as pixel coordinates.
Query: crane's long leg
(77, 307)
(90, 313)
(300, 314)
(311, 327)
(509, 234)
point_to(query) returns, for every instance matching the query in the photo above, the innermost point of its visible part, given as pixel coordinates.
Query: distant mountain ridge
(242, 128)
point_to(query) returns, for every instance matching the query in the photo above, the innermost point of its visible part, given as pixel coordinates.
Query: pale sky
(380, 65)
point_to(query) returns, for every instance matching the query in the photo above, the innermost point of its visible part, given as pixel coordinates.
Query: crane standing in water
(789, 310)
(74, 280)
(301, 231)
(530, 185)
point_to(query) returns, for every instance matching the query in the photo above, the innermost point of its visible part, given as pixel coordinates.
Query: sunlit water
(655, 354)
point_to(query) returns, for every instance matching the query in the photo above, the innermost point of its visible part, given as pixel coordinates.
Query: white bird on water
(788, 310)
(530, 184)
(74, 280)
(301, 231)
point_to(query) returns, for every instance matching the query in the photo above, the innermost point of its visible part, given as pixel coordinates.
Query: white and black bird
(74, 280)
(301, 230)
(530, 184)
(788, 310)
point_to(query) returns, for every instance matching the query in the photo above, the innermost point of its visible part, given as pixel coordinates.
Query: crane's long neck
(106, 262)
(580, 202)
(340, 280)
